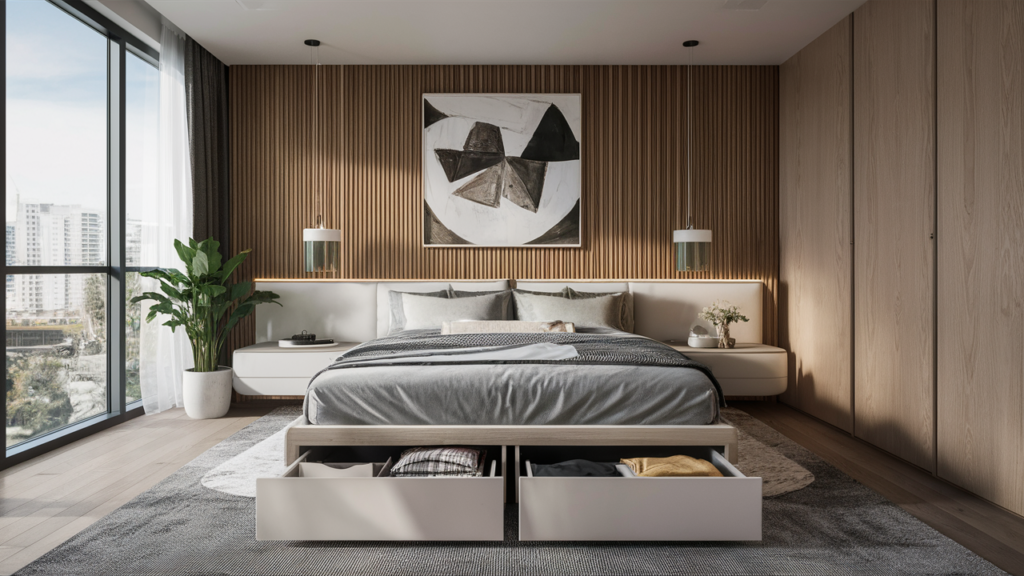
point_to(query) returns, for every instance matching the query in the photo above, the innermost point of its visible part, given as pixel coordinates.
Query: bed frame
(301, 434)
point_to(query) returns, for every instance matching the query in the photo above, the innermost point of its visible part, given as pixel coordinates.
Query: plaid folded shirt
(446, 461)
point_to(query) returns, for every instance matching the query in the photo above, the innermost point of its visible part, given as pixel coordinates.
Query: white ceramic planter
(206, 394)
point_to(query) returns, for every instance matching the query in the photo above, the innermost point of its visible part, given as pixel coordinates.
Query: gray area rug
(832, 526)
(237, 475)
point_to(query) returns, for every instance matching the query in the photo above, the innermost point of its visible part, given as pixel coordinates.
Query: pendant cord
(316, 113)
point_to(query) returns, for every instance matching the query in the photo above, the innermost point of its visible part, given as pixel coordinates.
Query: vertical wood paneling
(369, 177)
(894, 219)
(815, 144)
(981, 248)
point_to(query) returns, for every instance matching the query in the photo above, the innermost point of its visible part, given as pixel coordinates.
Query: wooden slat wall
(368, 181)
(981, 248)
(815, 228)
(894, 219)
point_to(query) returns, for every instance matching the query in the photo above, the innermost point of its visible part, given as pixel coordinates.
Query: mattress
(427, 379)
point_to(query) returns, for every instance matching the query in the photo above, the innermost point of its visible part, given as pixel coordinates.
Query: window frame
(119, 42)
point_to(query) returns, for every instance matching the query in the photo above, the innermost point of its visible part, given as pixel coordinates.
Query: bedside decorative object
(207, 306)
(721, 315)
(699, 338)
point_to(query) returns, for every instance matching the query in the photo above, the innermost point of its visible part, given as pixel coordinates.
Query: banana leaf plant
(201, 300)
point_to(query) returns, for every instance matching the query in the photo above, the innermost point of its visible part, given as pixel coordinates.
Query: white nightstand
(746, 370)
(266, 369)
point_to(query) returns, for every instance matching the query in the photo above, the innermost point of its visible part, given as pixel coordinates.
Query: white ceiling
(504, 31)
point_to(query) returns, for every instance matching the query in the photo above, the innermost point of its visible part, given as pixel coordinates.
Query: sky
(57, 110)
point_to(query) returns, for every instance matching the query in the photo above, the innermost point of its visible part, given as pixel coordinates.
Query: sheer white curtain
(163, 354)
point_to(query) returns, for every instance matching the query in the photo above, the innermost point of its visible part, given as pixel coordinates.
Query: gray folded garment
(444, 461)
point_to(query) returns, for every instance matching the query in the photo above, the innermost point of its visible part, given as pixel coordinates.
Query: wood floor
(49, 499)
(45, 501)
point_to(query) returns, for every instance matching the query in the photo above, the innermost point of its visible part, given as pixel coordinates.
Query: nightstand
(746, 370)
(266, 369)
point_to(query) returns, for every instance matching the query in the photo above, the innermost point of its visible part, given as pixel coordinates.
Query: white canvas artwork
(501, 170)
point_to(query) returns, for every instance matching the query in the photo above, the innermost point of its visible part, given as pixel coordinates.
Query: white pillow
(424, 312)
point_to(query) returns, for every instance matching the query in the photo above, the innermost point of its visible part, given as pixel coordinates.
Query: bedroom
(518, 231)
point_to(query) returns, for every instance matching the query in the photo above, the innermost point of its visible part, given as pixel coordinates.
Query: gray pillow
(563, 293)
(425, 312)
(508, 312)
(625, 320)
(397, 323)
(599, 312)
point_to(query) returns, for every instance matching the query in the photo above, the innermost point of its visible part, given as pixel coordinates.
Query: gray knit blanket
(618, 349)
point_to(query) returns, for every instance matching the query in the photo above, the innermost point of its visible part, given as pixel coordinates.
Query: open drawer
(293, 507)
(619, 508)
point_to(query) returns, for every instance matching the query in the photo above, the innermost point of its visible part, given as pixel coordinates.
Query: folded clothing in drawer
(673, 466)
(443, 461)
(576, 468)
(678, 466)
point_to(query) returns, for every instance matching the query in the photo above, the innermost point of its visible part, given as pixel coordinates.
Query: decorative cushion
(425, 312)
(598, 312)
(626, 320)
(505, 327)
(397, 310)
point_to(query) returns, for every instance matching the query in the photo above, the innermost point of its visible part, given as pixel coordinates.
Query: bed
(420, 384)
(599, 394)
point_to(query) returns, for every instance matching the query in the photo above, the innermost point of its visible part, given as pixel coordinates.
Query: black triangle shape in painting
(431, 115)
(436, 233)
(484, 137)
(524, 182)
(449, 161)
(553, 140)
(566, 231)
(458, 164)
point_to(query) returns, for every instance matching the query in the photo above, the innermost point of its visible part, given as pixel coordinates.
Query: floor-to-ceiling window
(142, 122)
(81, 135)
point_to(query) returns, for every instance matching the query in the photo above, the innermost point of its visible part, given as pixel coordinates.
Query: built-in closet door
(894, 220)
(981, 248)
(814, 225)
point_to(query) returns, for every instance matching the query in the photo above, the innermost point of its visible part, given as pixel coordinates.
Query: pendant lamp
(322, 245)
(693, 247)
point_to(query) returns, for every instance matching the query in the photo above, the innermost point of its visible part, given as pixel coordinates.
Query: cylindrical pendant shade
(693, 250)
(323, 249)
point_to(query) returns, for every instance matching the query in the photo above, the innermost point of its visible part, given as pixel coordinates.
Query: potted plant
(207, 306)
(721, 315)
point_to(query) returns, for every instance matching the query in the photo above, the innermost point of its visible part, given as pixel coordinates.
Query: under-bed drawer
(292, 507)
(618, 508)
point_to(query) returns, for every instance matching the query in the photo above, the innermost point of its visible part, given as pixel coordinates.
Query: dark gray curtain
(206, 85)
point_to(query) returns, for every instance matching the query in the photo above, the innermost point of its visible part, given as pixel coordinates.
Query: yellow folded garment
(671, 466)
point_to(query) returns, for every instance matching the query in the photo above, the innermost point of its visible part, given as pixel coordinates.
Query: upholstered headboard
(348, 311)
(666, 309)
(357, 311)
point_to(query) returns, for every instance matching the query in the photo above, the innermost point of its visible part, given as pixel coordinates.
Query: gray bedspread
(424, 378)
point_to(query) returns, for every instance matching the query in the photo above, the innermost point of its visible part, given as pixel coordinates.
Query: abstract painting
(501, 170)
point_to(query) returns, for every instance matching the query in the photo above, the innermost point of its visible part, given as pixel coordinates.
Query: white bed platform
(292, 507)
